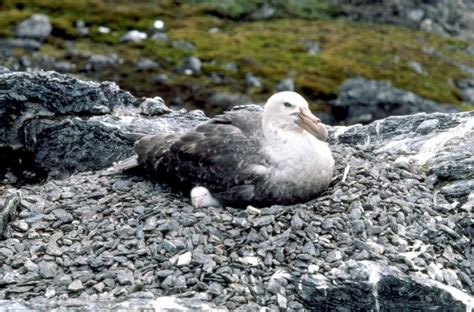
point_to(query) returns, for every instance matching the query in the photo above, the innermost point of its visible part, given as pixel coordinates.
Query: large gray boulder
(67, 124)
(392, 231)
(362, 100)
(440, 16)
(36, 27)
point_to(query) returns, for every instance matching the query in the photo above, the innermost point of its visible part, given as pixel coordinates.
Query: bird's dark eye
(288, 104)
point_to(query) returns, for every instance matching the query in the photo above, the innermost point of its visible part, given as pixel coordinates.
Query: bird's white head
(290, 111)
(202, 198)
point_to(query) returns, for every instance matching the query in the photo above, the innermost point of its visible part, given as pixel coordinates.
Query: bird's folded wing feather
(219, 155)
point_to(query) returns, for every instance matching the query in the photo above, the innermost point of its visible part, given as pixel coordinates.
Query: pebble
(287, 84)
(48, 269)
(184, 259)
(114, 235)
(133, 36)
(191, 65)
(75, 286)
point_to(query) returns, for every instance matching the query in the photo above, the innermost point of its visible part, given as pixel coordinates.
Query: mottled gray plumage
(216, 155)
(275, 157)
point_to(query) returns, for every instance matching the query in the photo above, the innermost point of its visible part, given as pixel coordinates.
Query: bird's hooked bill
(312, 124)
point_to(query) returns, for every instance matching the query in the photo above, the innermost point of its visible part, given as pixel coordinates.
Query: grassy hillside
(271, 49)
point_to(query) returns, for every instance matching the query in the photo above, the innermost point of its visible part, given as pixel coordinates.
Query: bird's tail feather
(126, 164)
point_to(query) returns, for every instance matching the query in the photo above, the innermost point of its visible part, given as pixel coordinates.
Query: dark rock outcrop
(440, 16)
(36, 27)
(394, 222)
(362, 101)
(66, 124)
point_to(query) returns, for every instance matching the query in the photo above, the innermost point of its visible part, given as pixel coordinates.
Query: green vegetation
(272, 49)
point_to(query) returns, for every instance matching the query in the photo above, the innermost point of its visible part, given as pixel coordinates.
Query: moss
(8, 20)
(272, 50)
(237, 9)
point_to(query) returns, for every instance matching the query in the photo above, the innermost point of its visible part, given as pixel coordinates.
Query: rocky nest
(393, 230)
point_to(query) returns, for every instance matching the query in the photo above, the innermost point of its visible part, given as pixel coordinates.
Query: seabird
(244, 158)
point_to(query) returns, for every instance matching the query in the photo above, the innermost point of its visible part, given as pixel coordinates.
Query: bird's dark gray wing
(220, 155)
(250, 123)
(151, 148)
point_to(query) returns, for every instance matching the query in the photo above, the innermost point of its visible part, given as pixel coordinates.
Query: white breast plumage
(300, 162)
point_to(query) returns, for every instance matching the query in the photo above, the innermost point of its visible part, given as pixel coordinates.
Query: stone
(22, 43)
(183, 45)
(98, 62)
(417, 67)
(64, 67)
(159, 37)
(191, 65)
(227, 100)
(444, 17)
(393, 223)
(287, 84)
(63, 215)
(363, 101)
(467, 95)
(133, 36)
(103, 29)
(416, 15)
(81, 28)
(154, 107)
(36, 27)
(251, 81)
(9, 209)
(159, 25)
(75, 286)
(48, 269)
(184, 259)
(264, 12)
(380, 288)
(146, 64)
(312, 47)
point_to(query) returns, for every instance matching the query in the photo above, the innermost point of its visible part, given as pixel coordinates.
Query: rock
(81, 28)
(384, 287)
(264, 12)
(154, 107)
(417, 67)
(9, 209)
(312, 47)
(287, 84)
(98, 62)
(63, 215)
(75, 286)
(191, 66)
(390, 225)
(24, 100)
(64, 67)
(145, 64)
(467, 94)
(48, 269)
(23, 43)
(230, 66)
(184, 259)
(159, 25)
(227, 100)
(159, 37)
(183, 45)
(251, 81)
(133, 36)
(36, 27)
(363, 101)
(470, 49)
(103, 29)
(416, 15)
(441, 16)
